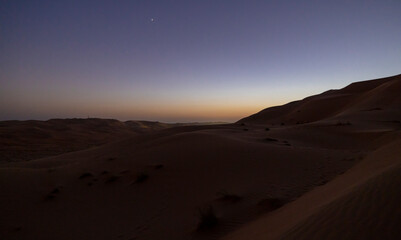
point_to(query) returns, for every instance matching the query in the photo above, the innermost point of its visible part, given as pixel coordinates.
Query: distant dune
(325, 167)
(27, 140)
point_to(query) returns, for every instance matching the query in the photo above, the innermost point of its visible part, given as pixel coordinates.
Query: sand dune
(333, 162)
(370, 211)
(27, 140)
(380, 94)
(360, 204)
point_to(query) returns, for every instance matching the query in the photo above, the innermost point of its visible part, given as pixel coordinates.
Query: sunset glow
(185, 60)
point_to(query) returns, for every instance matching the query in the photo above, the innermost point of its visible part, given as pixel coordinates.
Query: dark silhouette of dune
(335, 104)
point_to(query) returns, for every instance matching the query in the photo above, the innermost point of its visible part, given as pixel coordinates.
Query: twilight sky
(187, 60)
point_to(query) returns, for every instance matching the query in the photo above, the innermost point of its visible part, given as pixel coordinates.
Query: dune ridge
(359, 96)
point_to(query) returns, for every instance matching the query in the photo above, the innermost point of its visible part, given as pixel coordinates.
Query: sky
(186, 60)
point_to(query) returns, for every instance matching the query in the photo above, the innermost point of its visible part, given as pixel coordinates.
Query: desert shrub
(158, 166)
(142, 177)
(52, 194)
(228, 197)
(112, 179)
(50, 197)
(276, 203)
(86, 175)
(207, 219)
(271, 204)
(340, 123)
(55, 191)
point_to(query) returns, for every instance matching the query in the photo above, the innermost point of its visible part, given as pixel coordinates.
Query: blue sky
(186, 60)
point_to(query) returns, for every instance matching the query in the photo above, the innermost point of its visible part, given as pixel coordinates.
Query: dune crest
(380, 94)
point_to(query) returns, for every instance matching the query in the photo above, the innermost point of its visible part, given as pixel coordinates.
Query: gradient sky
(205, 60)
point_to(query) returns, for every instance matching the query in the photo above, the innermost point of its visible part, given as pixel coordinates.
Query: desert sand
(325, 167)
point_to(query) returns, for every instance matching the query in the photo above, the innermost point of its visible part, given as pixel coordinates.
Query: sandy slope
(367, 96)
(196, 166)
(370, 211)
(361, 204)
(153, 185)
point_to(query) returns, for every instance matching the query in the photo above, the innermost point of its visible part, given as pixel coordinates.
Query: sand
(326, 167)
